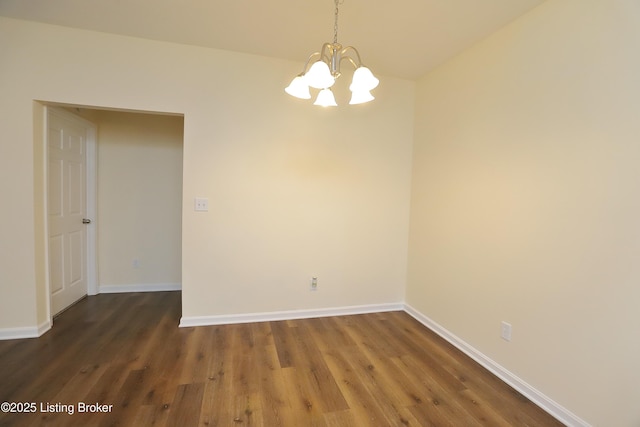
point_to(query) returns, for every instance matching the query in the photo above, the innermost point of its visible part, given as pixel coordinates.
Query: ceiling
(403, 38)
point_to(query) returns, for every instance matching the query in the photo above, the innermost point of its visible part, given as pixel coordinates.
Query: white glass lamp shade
(360, 97)
(298, 88)
(319, 76)
(363, 80)
(325, 99)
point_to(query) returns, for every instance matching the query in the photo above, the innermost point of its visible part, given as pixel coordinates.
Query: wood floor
(126, 350)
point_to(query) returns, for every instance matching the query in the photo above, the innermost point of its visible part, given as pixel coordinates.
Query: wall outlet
(201, 204)
(314, 284)
(505, 331)
(135, 263)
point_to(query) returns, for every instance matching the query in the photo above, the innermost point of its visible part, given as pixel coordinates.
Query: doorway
(139, 201)
(138, 197)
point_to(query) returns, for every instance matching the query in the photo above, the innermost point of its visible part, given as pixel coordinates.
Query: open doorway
(139, 201)
(138, 220)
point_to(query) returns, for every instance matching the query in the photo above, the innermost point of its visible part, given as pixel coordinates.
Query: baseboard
(187, 322)
(25, 332)
(553, 408)
(143, 287)
(44, 327)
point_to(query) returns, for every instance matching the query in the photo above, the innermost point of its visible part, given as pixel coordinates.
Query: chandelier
(326, 69)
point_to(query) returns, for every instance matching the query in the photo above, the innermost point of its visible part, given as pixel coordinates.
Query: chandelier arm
(306, 65)
(350, 60)
(348, 48)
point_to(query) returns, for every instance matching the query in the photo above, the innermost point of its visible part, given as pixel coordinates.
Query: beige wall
(294, 190)
(139, 199)
(526, 203)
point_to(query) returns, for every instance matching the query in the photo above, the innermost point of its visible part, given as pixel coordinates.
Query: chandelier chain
(335, 23)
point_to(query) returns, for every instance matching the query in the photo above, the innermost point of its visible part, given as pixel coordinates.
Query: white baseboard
(44, 327)
(554, 409)
(187, 322)
(25, 332)
(143, 287)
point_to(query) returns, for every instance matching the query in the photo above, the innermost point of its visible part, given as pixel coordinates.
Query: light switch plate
(505, 331)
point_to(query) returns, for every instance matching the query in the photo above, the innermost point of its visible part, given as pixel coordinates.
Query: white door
(67, 207)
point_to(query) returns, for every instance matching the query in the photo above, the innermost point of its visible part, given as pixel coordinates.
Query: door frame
(91, 198)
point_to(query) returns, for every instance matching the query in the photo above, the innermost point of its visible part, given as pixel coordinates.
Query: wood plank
(362, 404)
(275, 402)
(216, 408)
(305, 405)
(185, 409)
(315, 374)
(284, 342)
